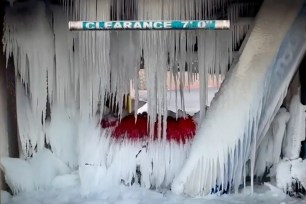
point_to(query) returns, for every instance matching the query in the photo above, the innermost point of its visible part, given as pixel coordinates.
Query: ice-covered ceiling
(80, 69)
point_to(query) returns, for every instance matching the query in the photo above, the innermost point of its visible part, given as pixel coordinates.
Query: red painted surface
(178, 130)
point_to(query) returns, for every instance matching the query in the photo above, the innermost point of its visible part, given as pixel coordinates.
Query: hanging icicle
(153, 44)
(93, 54)
(66, 74)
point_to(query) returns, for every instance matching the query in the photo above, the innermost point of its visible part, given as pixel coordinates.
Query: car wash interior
(191, 112)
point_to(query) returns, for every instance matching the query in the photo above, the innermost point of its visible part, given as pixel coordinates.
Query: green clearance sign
(150, 25)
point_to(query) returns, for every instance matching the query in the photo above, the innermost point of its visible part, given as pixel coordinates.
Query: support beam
(244, 21)
(2, 87)
(3, 114)
(8, 116)
(303, 80)
(8, 77)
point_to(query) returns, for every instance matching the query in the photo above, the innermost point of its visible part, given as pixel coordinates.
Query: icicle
(64, 83)
(154, 46)
(125, 62)
(92, 55)
(203, 71)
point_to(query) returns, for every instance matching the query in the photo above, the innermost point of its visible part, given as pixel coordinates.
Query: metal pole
(150, 25)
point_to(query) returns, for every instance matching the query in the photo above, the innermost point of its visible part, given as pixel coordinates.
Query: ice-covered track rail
(248, 100)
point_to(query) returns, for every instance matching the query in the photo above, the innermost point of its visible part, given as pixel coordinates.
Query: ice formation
(298, 171)
(296, 129)
(31, 133)
(283, 175)
(160, 51)
(66, 180)
(279, 127)
(58, 70)
(87, 67)
(32, 60)
(290, 175)
(269, 151)
(61, 134)
(33, 63)
(291, 170)
(5, 197)
(34, 174)
(253, 102)
(15, 171)
(77, 71)
(105, 160)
